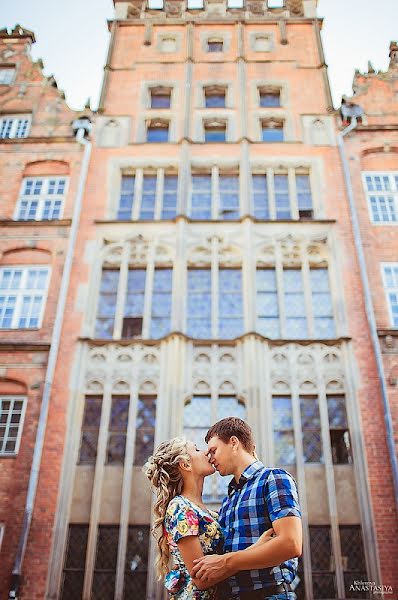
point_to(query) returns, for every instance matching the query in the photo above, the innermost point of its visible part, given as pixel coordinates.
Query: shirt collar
(247, 474)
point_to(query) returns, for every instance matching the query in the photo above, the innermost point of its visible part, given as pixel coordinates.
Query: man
(258, 498)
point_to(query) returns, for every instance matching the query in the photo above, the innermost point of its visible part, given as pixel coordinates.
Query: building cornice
(24, 346)
(36, 224)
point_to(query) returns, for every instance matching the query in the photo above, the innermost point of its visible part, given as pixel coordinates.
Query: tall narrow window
(158, 131)
(107, 303)
(145, 429)
(75, 562)
(215, 97)
(272, 130)
(148, 200)
(304, 197)
(160, 97)
(311, 429)
(7, 75)
(104, 578)
(282, 418)
(353, 558)
(322, 562)
(126, 200)
(382, 194)
(294, 303)
(134, 306)
(14, 126)
(390, 280)
(136, 567)
(90, 430)
(161, 302)
(41, 198)
(215, 45)
(270, 97)
(117, 430)
(282, 197)
(322, 304)
(12, 412)
(199, 303)
(23, 292)
(229, 196)
(215, 131)
(201, 196)
(170, 190)
(260, 196)
(338, 428)
(230, 300)
(267, 303)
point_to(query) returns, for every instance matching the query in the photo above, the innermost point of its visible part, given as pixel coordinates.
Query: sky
(72, 40)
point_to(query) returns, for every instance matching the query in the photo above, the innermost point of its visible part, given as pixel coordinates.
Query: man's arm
(286, 544)
(191, 550)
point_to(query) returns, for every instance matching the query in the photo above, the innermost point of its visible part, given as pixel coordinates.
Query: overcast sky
(72, 39)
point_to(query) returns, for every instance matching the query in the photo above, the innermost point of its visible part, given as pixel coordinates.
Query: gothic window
(136, 566)
(382, 195)
(199, 413)
(270, 97)
(353, 558)
(7, 75)
(282, 415)
(267, 303)
(145, 429)
(215, 131)
(390, 281)
(338, 429)
(104, 578)
(215, 45)
(12, 412)
(227, 321)
(160, 97)
(158, 131)
(311, 430)
(322, 563)
(23, 292)
(272, 130)
(321, 303)
(215, 97)
(215, 195)
(41, 199)
(117, 430)
(157, 198)
(278, 196)
(294, 303)
(75, 562)
(90, 429)
(14, 126)
(132, 303)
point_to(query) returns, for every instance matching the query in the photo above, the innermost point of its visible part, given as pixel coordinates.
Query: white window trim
(14, 127)
(42, 197)
(21, 291)
(384, 279)
(13, 71)
(394, 194)
(20, 428)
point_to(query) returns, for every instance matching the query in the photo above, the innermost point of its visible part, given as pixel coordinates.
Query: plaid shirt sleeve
(281, 495)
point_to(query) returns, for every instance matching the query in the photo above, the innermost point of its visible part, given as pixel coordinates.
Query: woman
(183, 526)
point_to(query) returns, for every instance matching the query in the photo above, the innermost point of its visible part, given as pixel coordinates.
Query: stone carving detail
(173, 9)
(216, 368)
(296, 7)
(200, 255)
(257, 8)
(292, 250)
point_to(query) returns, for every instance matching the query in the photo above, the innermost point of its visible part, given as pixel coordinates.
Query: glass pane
(158, 134)
(282, 200)
(229, 196)
(126, 199)
(201, 197)
(272, 134)
(260, 196)
(311, 429)
(270, 99)
(145, 432)
(215, 134)
(107, 303)
(197, 412)
(199, 303)
(148, 197)
(303, 188)
(284, 451)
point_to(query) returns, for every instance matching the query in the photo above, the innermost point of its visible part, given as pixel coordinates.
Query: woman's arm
(191, 550)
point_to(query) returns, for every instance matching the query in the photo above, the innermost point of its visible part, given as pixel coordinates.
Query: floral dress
(183, 518)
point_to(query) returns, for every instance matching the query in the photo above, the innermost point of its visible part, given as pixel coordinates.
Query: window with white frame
(195, 4)
(130, 291)
(156, 198)
(300, 321)
(215, 195)
(282, 195)
(236, 3)
(155, 4)
(6, 75)
(23, 292)
(14, 126)
(12, 412)
(275, 3)
(382, 195)
(204, 320)
(200, 412)
(390, 281)
(41, 199)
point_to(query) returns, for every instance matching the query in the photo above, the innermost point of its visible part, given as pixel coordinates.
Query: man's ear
(235, 443)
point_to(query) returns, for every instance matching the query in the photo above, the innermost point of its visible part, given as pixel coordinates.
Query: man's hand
(211, 569)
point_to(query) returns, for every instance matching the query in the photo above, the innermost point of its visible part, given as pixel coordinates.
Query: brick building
(214, 272)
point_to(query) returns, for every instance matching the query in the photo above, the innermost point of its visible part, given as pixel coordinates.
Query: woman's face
(200, 464)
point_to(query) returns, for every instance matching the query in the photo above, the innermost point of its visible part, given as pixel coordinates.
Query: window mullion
(138, 186)
(271, 194)
(159, 194)
(293, 193)
(121, 293)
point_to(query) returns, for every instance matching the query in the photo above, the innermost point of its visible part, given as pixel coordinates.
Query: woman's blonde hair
(163, 471)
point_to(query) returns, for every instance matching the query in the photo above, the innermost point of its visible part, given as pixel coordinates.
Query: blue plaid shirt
(260, 497)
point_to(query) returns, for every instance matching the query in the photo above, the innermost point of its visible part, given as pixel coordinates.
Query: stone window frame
(155, 115)
(200, 94)
(390, 289)
(42, 197)
(161, 37)
(207, 115)
(12, 398)
(214, 171)
(278, 124)
(225, 37)
(271, 89)
(21, 292)
(145, 95)
(276, 84)
(392, 193)
(269, 114)
(254, 35)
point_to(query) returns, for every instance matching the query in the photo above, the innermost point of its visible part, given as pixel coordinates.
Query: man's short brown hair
(232, 426)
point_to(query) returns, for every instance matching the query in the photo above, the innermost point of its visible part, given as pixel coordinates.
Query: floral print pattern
(183, 518)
